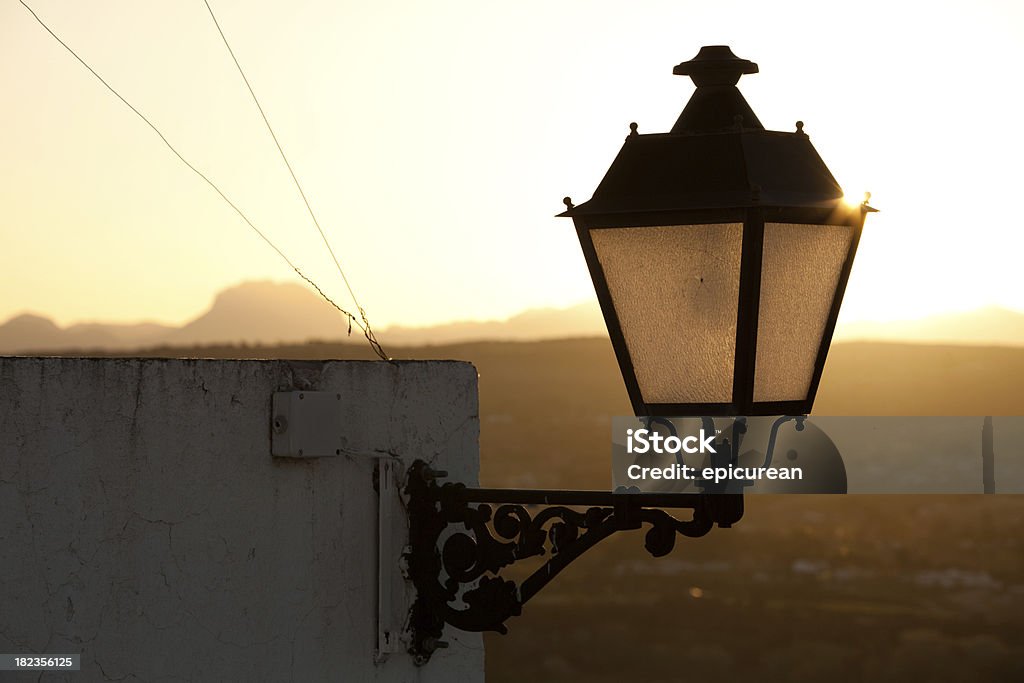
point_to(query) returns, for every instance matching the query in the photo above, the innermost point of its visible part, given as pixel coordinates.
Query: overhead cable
(367, 330)
(352, 318)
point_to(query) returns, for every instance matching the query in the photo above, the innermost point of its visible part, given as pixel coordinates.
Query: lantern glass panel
(675, 290)
(800, 269)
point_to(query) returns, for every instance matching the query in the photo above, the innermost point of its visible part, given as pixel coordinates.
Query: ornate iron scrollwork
(498, 529)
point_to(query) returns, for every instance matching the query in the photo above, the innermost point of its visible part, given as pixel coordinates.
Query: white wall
(144, 523)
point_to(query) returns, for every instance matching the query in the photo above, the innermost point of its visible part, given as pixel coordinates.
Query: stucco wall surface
(145, 524)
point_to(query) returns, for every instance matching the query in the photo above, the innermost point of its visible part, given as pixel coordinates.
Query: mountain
(262, 312)
(30, 331)
(280, 313)
(252, 312)
(581, 320)
(34, 332)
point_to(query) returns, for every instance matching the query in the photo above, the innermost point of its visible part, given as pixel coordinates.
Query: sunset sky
(436, 140)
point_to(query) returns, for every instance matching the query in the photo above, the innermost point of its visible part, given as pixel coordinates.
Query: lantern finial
(715, 65)
(716, 103)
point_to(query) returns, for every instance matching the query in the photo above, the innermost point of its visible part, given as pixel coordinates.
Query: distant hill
(582, 320)
(991, 326)
(33, 332)
(263, 312)
(252, 313)
(284, 313)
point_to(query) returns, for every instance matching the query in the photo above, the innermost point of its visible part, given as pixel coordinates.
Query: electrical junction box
(306, 424)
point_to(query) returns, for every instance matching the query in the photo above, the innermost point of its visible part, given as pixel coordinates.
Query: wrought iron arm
(498, 529)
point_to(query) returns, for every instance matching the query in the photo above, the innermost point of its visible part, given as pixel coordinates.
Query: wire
(350, 316)
(367, 330)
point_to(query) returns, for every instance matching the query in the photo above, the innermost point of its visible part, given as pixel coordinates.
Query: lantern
(720, 252)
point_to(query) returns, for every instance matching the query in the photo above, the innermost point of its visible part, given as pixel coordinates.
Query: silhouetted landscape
(804, 588)
(273, 313)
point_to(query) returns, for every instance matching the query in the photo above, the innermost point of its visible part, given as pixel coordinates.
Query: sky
(436, 141)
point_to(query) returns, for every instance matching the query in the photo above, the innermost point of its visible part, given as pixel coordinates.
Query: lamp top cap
(715, 65)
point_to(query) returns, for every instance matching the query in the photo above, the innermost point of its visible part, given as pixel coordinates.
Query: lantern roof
(717, 155)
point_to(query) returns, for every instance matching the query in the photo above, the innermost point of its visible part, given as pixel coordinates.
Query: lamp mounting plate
(306, 424)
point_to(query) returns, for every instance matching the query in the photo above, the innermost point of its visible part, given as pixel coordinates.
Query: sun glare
(856, 199)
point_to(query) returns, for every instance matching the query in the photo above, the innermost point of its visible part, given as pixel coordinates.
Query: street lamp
(720, 252)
